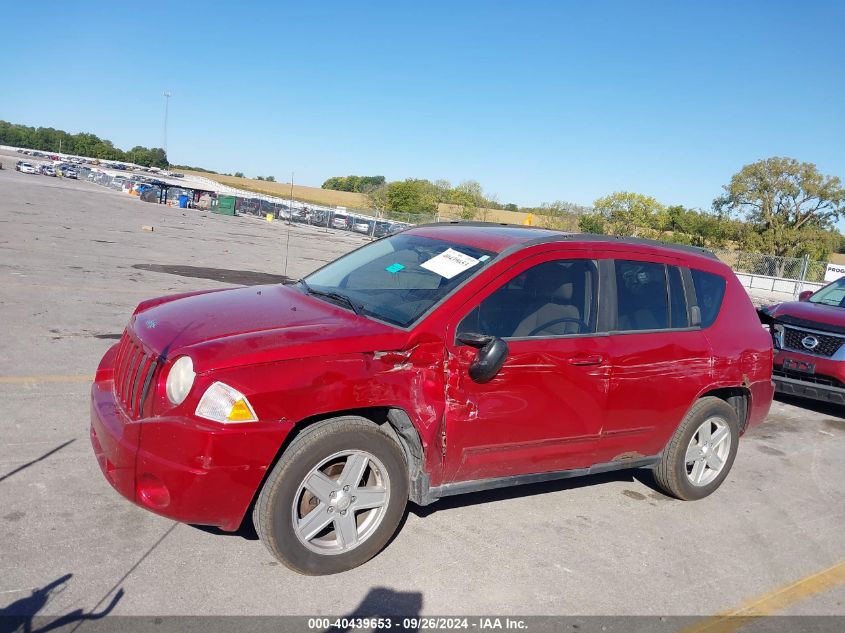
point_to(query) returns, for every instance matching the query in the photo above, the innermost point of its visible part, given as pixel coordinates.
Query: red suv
(808, 339)
(441, 360)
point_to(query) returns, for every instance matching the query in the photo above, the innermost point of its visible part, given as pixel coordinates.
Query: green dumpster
(224, 205)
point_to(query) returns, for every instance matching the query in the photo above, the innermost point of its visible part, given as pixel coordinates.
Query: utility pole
(290, 202)
(167, 96)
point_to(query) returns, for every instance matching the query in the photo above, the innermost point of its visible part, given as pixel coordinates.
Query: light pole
(167, 96)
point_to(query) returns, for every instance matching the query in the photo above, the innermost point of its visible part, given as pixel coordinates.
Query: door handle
(589, 359)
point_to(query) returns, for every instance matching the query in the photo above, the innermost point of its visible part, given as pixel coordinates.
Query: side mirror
(492, 354)
(806, 294)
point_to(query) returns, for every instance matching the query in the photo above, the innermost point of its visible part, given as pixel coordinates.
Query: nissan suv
(809, 342)
(442, 360)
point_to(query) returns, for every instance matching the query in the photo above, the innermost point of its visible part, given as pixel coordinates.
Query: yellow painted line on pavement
(771, 602)
(23, 380)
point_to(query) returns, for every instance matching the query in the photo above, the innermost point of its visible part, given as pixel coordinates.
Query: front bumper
(179, 467)
(802, 389)
(826, 384)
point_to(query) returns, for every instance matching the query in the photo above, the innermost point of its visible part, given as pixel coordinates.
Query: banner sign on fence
(834, 272)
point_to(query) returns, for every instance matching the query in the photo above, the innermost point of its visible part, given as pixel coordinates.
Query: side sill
(477, 485)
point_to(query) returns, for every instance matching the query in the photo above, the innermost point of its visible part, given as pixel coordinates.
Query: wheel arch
(394, 421)
(738, 397)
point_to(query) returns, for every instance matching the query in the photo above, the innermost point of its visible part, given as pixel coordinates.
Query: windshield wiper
(335, 296)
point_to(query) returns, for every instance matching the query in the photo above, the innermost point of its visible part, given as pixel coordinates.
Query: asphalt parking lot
(74, 261)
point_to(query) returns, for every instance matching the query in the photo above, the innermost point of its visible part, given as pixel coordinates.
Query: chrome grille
(827, 345)
(134, 371)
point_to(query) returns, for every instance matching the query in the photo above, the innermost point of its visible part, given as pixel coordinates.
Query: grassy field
(331, 198)
(314, 195)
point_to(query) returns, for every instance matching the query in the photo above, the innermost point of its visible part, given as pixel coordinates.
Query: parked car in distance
(448, 359)
(47, 170)
(25, 168)
(150, 193)
(70, 172)
(340, 222)
(809, 344)
(382, 228)
(362, 226)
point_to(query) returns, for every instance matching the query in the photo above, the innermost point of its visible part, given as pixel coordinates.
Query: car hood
(256, 324)
(807, 314)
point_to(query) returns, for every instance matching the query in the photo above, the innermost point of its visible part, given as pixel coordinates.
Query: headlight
(180, 379)
(222, 403)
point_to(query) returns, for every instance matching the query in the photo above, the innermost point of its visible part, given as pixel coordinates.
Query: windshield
(397, 279)
(832, 295)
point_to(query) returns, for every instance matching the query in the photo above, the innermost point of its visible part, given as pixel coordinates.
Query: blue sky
(536, 100)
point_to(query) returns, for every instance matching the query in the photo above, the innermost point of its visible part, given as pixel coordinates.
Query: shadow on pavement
(643, 475)
(825, 408)
(381, 602)
(35, 461)
(225, 275)
(23, 615)
(246, 531)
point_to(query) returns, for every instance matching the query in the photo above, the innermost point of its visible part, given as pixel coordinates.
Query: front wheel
(701, 452)
(334, 498)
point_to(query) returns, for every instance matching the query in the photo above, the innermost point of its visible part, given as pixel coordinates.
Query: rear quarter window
(709, 292)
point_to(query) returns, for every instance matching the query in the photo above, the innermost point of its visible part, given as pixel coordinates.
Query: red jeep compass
(441, 360)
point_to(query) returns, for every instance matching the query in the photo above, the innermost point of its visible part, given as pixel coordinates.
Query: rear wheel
(701, 452)
(334, 498)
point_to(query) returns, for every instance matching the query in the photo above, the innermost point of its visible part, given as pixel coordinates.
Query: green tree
(358, 184)
(699, 228)
(591, 223)
(411, 196)
(561, 215)
(239, 174)
(83, 144)
(788, 205)
(628, 213)
(377, 197)
(470, 197)
(444, 189)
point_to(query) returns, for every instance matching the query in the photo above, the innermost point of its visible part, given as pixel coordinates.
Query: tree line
(49, 139)
(357, 184)
(418, 195)
(776, 206)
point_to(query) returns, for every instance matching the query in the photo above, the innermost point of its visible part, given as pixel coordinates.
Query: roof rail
(582, 237)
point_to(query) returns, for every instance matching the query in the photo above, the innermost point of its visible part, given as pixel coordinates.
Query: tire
(329, 455)
(676, 474)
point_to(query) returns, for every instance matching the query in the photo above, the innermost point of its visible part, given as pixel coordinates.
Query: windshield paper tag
(449, 263)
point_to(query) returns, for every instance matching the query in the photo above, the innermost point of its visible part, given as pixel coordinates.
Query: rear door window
(679, 316)
(642, 297)
(709, 292)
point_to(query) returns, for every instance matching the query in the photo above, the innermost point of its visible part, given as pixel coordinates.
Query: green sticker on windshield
(394, 268)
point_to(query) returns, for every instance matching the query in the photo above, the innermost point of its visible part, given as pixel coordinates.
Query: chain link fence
(797, 268)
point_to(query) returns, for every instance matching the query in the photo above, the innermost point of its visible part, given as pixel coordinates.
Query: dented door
(543, 411)
(545, 408)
